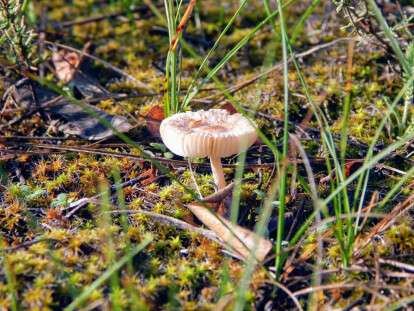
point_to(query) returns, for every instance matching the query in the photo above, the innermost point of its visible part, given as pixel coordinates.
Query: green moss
(400, 238)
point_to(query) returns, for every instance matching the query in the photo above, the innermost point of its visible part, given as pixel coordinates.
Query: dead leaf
(246, 240)
(349, 165)
(66, 64)
(148, 176)
(82, 124)
(88, 86)
(229, 107)
(75, 120)
(154, 117)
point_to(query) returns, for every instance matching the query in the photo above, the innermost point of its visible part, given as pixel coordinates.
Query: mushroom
(213, 133)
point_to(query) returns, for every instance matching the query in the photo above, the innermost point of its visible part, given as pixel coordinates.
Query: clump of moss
(399, 239)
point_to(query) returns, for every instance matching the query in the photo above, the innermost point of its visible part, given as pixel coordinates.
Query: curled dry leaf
(246, 240)
(66, 64)
(229, 107)
(153, 120)
(148, 176)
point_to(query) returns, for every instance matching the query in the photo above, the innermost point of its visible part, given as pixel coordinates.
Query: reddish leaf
(154, 117)
(229, 107)
(348, 167)
(148, 176)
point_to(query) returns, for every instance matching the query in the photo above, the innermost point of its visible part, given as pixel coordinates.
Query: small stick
(24, 244)
(401, 265)
(175, 222)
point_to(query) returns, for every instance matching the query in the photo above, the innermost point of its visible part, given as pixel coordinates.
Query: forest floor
(89, 222)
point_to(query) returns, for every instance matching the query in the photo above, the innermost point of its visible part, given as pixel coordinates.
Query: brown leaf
(66, 64)
(229, 107)
(246, 240)
(148, 176)
(154, 117)
(54, 217)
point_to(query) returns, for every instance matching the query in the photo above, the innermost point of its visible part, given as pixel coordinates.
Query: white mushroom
(214, 133)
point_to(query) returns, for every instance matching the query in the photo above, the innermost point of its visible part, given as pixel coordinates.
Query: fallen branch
(24, 244)
(175, 222)
(175, 163)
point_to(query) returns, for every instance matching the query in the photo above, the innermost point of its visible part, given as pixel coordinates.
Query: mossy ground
(180, 269)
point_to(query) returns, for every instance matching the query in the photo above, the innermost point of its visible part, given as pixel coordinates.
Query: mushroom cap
(207, 133)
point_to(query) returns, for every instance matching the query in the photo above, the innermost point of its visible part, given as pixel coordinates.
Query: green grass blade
(396, 188)
(260, 229)
(363, 179)
(171, 99)
(285, 148)
(187, 99)
(301, 22)
(194, 90)
(369, 163)
(235, 203)
(390, 36)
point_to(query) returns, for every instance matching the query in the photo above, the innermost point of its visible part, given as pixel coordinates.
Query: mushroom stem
(217, 170)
